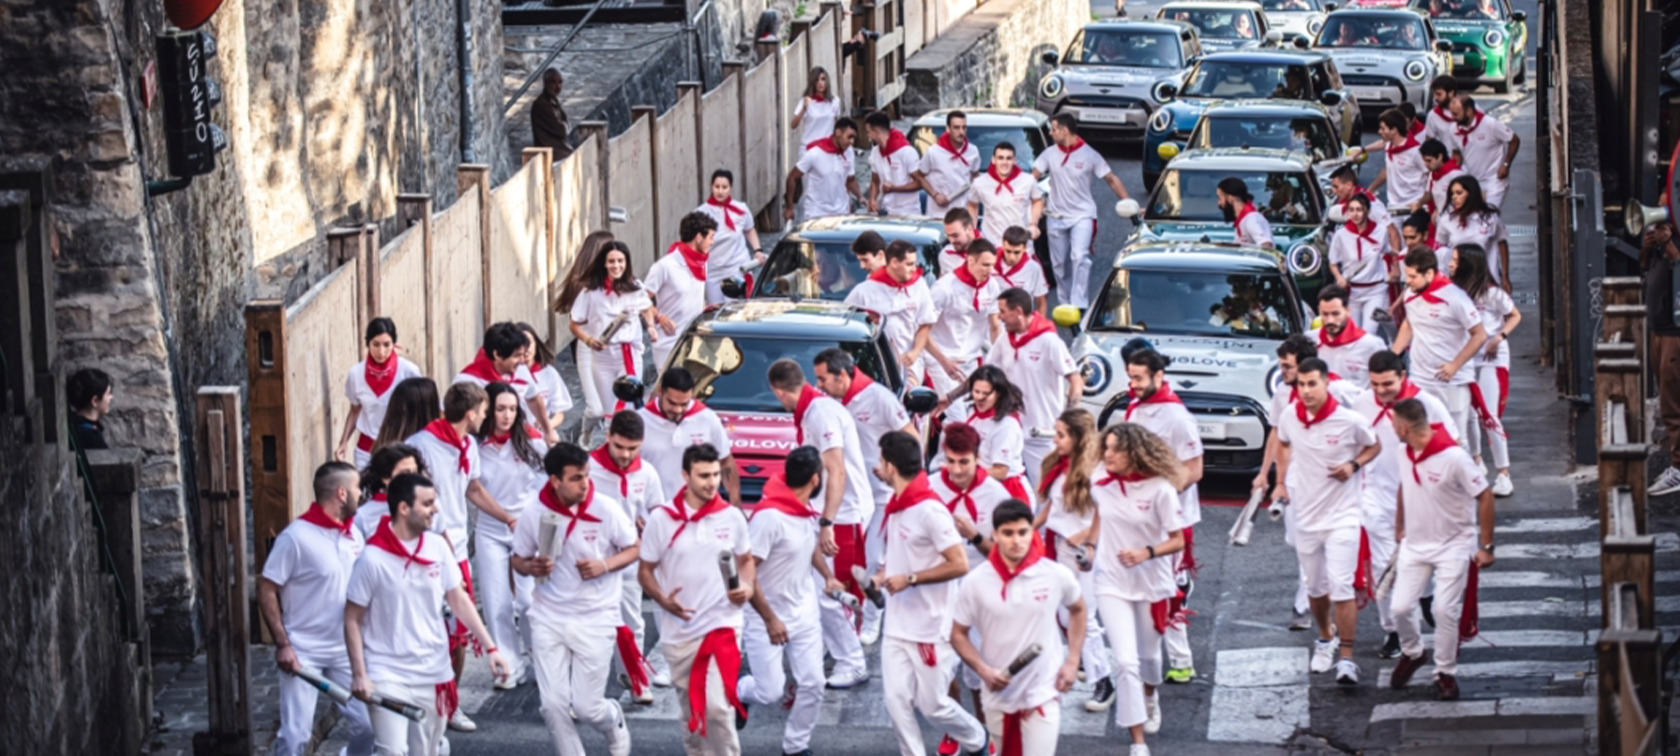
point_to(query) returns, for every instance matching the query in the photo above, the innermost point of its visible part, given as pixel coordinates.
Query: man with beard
(1439, 123)
(1403, 169)
(1342, 344)
(959, 233)
(1238, 205)
(1033, 357)
(1444, 332)
(826, 171)
(1487, 148)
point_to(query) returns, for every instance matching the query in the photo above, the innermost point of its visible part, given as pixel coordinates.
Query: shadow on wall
(1025, 92)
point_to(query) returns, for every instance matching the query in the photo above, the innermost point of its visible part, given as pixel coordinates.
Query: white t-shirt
(1133, 516)
(552, 388)
(1003, 206)
(1351, 361)
(443, 464)
(1028, 275)
(877, 412)
(963, 326)
(595, 309)
(985, 499)
(403, 635)
(521, 381)
(1483, 146)
(1439, 332)
(1378, 213)
(373, 405)
(1382, 476)
(510, 481)
(1321, 502)
(1360, 258)
(950, 174)
(1175, 425)
(690, 562)
(785, 544)
(825, 183)
(819, 119)
(312, 565)
(1493, 307)
(1441, 504)
(1254, 230)
(1040, 368)
(678, 295)
(1484, 229)
(729, 250)
(369, 514)
(663, 442)
(1407, 175)
(950, 259)
(894, 170)
(1001, 438)
(1071, 173)
(827, 425)
(902, 310)
(1010, 619)
(1061, 521)
(1439, 125)
(566, 598)
(916, 540)
(635, 493)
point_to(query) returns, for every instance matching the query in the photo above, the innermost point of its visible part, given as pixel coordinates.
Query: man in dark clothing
(88, 392)
(549, 123)
(1658, 259)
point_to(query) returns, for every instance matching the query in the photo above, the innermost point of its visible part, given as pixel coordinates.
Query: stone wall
(607, 71)
(991, 55)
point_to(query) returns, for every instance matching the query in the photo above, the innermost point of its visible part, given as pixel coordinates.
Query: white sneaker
(1666, 483)
(618, 738)
(460, 723)
(514, 678)
(1347, 672)
(661, 677)
(1502, 485)
(647, 693)
(1139, 749)
(844, 679)
(871, 631)
(1152, 709)
(1324, 655)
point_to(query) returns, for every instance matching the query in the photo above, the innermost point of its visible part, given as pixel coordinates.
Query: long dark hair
(412, 405)
(585, 260)
(384, 460)
(1009, 399)
(596, 276)
(1475, 203)
(517, 435)
(1470, 273)
(811, 83)
(539, 348)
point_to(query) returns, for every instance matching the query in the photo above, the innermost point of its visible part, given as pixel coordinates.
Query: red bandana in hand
(881, 276)
(445, 432)
(951, 147)
(693, 258)
(807, 394)
(604, 458)
(1437, 283)
(1439, 442)
(729, 209)
(380, 375)
(1035, 552)
(778, 496)
(1162, 395)
(917, 492)
(1350, 333)
(1464, 132)
(577, 513)
(1407, 391)
(317, 515)
(964, 496)
(679, 512)
(1308, 421)
(895, 142)
(386, 538)
(826, 144)
(1036, 327)
(967, 278)
(1068, 151)
(859, 383)
(484, 370)
(1003, 181)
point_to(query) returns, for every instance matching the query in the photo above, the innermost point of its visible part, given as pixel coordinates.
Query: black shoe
(806, 752)
(1427, 604)
(741, 718)
(1391, 647)
(985, 748)
(1102, 697)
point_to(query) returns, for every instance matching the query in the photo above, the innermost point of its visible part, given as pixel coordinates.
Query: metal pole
(463, 48)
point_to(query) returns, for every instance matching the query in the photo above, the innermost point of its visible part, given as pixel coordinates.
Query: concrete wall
(990, 56)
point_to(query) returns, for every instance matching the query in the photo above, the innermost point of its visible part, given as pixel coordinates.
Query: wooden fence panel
(677, 170)
(321, 345)
(577, 193)
(402, 279)
(760, 184)
(457, 287)
(631, 156)
(720, 137)
(824, 52)
(519, 248)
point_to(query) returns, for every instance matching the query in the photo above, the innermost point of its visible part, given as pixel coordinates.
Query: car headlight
(1161, 122)
(1274, 381)
(1315, 26)
(1493, 38)
(1051, 87)
(1304, 259)
(1157, 93)
(1096, 371)
(1416, 70)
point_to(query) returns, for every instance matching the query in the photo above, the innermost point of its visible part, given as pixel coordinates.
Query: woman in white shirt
(817, 110)
(994, 410)
(1471, 220)
(1493, 365)
(735, 243)
(1359, 259)
(607, 318)
(368, 386)
(511, 458)
(386, 463)
(551, 386)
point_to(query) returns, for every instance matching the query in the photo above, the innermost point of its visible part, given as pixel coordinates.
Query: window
(1230, 79)
(1028, 140)
(1390, 32)
(1469, 10)
(1291, 6)
(1309, 136)
(729, 371)
(1217, 23)
(1185, 195)
(1115, 47)
(1199, 303)
(820, 270)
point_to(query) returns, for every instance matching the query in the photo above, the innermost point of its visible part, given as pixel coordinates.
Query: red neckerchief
(1360, 237)
(826, 144)
(497, 439)
(1036, 327)
(1131, 477)
(917, 492)
(317, 515)
(778, 496)
(1002, 181)
(380, 375)
(386, 538)
(1057, 469)
(1035, 552)
(694, 408)
(1246, 210)
(1411, 143)
(1162, 395)
(1407, 391)
(729, 211)
(1439, 442)
(604, 458)
(951, 147)
(484, 370)
(1323, 411)
(1067, 152)
(1350, 333)
(1009, 275)
(693, 258)
(679, 512)
(1447, 166)
(442, 430)
(964, 496)
(819, 98)
(1464, 132)
(1416, 128)
(807, 394)
(1437, 283)
(974, 413)
(968, 279)
(578, 512)
(881, 276)
(895, 142)
(1443, 113)
(859, 383)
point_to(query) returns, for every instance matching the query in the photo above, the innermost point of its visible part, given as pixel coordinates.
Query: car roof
(1211, 4)
(845, 228)
(1150, 25)
(1263, 107)
(1210, 256)
(1240, 159)
(803, 320)
(1396, 13)
(1274, 55)
(986, 117)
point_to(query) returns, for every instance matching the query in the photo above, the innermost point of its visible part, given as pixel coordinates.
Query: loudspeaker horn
(1637, 217)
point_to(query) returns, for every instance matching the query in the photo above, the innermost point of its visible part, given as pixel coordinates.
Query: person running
(1444, 333)
(924, 561)
(1066, 520)
(1072, 166)
(818, 108)
(368, 387)
(829, 185)
(687, 546)
(822, 422)
(550, 387)
(1019, 269)
(619, 473)
(397, 647)
(993, 410)
(574, 615)
(1362, 263)
(388, 462)
(301, 595)
(1493, 363)
(1327, 444)
(967, 492)
(1342, 344)
(947, 170)
(1442, 540)
(898, 298)
(1442, 170)
(674, 420)
(412, 404)
(1252, 228)
(504, 357)
(1403, 169)
(783, 531)
(735, 246)
(1013, 602)
(1344, 185)
(1007, 197)
(1469, 219)
(511, 452)
(677, 283)
(1033, 357)
(607, 318)
(1439, 123)
(893, 189)
(966, 302)
(959, 233)
(1486, 147)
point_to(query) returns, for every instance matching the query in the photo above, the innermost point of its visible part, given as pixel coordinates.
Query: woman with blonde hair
(818, 109)
(1138, 524)
(1066, 519)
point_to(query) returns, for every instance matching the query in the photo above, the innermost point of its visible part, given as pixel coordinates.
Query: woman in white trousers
(1066, 521)
(608, 317)
(511, 454)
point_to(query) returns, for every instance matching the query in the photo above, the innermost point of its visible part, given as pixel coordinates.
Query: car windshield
(1028, 141)
(1198, 303)
(1183, 195)
(1217, 23)
(729, 370)
(1388, 32)
(1125, 47)
(1231, 79)
(823, 270)
(1288, 6)
(1309, 136)
(1468, 10)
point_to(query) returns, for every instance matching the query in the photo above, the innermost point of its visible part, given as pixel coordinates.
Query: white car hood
(1129, 81)
(1200, 364)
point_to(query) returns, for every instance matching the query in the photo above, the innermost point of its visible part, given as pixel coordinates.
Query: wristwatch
(910, 578)
(825, 522)
(1356, 465)
(1488, 547)
(977, 540)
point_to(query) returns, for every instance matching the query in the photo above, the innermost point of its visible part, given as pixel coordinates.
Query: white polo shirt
(521, 381)
(404, 640)
(373, 405)
(594, 309)
(1004, 205)
(827, 425)
(962, 329)
(1439, 125)
(312, 566)
(916, 540)
(1483, 145)
(1439, 332)
(819, 119)
(1253, 229)
(1010, 618)
(443, 467)
(510, 481)
(1175, 425)
(1351, 361)
(825, 183)
(984, 499)
(785, 544)
(635, 492)
(567, 598)
(950, 259)
(663, 442)
(691, 563)
(902, 310)
(950, 174)
(1407, 175)
(1322, 503)
(1027, 275)
(678, 295)
(1134, 515)
(729, 250)
(1493, 306)
(1071, 173)
(1378, 213)
(1061, 521)
(1382, 475)
(1360, 257)
(1486, 230)
(1040, 368)
(895, 170)
(1439, 189)
(1440, 504)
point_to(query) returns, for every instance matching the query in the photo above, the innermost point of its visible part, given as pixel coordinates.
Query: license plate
(1370, 94)
(1458, 59)
(1210, 430)
(1107, 116)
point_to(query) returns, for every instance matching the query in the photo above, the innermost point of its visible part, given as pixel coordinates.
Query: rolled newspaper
(1024, 659)
(414, 713)
(338, 693)
(1244, 526)
(1276, 509)
(548, 540)
(1042, 432)
(616, 323)
(870, 589)
(1385, 584)
(846, 599)
(726, 565)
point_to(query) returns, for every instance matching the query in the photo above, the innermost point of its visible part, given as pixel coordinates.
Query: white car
(1386, 57)
(1296, 19)
(1222, 25)
(1110, 77)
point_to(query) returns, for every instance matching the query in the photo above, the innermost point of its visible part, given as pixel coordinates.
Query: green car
(1489, 40)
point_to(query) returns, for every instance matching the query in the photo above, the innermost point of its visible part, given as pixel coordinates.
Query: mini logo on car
(752, 468)
(1187, 384)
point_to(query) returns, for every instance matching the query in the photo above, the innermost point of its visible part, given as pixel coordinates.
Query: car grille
(1105, 101)
(1222, 407)
(1362, 80)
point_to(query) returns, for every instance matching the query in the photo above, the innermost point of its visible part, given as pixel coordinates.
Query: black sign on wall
(190, 135)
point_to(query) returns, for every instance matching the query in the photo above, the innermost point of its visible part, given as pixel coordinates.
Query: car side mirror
(1168, 89)
(1443, 45)
(1066, 316)
(1519, 16)
(921, 400)
(629, 390)
(1051, 59)
(1329, 7)
(734, 288)
(1331, 98)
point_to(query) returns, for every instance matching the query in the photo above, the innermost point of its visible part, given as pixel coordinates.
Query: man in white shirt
(898, 297)
(1441, 538)
(1019, 269)
(1439, 123)
(959, 233)
(1252, 228)
(1073, 212)
(505, 357)
(576, 610)
(398, 649)
(618, 472)
(829, 178)
(948, 168)
(1007, 195)
(1444, 332)
(1034, 358)
(783, 531)
(822, 422)
(1342, 344)
(967, 492)
(892, 188)
(1012, 600)
(674, 421)
(687, 548)
(1344, 184)
(924, 561)
(677, 284)
(1487, 148)
(1403, 168)
(1328, 444)
(301, 595)
(966, 300)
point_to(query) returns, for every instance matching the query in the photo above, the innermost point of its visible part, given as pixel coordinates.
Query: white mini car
(1111, 74)
(1386, 57)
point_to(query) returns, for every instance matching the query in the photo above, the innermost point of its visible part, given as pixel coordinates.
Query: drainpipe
(463, 53)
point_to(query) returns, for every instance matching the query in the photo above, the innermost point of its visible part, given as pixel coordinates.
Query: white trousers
(1365, 301)
(1411, 579)
(1494, 192)
(395, 734)
(1039, 728)
(598, 370)
(503, 595)
(1378, 521)
(1457, 399)
(765, 682)
(1137, 652)
(297, 711)
(1070, 258)
(720, 739)
(662, 348)
(909, 684)
(1488, 380)
(1302, 603)
(1329, 559)
(840, 634)
(1094, 654)
(572, 662)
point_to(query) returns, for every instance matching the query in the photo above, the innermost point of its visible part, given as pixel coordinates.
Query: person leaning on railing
(1657, 259)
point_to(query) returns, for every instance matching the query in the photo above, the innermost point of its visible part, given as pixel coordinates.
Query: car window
(826, 270)
(1283, 197)
(1028, 141)
(1201, 303)
(1310, 136)
(1469, 10)
(1125, 47)
(1230, 79)
(729, 370)
(1388, 32)
(1217, 23)
(1287, 6)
